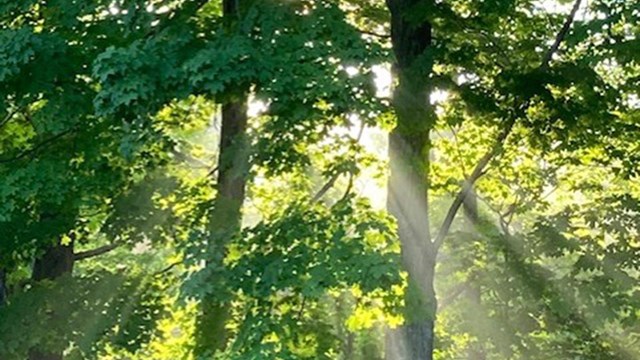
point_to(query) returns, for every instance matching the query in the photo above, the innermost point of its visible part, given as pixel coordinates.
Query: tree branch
(451, 297)
(374, 34)
(504, 223)
(561, 35)
(168, 268)
(83, 255)
(328, 185)
(8, 117)
(36, 147)
(478, 171)
(349, 186)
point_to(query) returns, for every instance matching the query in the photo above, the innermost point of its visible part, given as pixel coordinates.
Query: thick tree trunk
(408, 186)
(408, 202)
(55, 262)
(224, 221)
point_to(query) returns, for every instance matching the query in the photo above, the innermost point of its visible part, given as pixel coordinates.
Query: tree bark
(224, 221)
(408, 185)
(56, 261)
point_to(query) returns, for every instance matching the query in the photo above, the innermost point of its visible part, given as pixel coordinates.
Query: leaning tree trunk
(224, 221)
(56, 261)
(408, 186)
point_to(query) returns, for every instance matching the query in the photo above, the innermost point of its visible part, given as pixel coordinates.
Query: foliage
(109, 133)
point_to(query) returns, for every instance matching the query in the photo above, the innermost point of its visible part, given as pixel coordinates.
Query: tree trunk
(224, 221)
(55, 262)
(3, 287)
(408, 186)
(36, 355)
(476, 350)
(408, 203)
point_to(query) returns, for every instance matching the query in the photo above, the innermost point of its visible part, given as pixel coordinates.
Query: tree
(409, 146)
(138, 194)
(66, 160)
(225, 217)
(467, 62)
(139, 67)
(314, 96)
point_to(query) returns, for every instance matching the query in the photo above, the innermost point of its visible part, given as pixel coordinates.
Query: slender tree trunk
(55, 262)
(477, 350)
(224, 221)
(408, 186)
(3, 287)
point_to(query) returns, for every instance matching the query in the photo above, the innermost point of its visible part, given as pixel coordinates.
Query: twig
(212, 171)
(375, 34)
(329, 184)
(168, 268)
(504, 224)
(460, 159)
